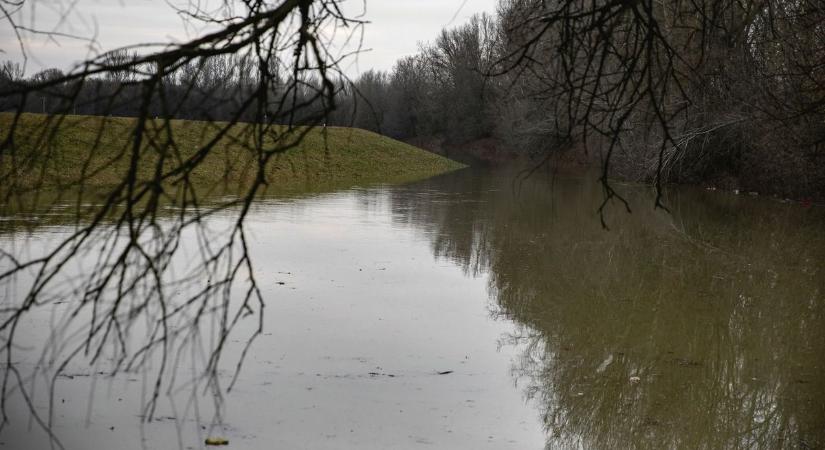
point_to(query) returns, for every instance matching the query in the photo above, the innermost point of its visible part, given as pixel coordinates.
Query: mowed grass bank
(97, 152)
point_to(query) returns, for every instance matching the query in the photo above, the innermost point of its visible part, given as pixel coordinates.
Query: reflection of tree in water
(450, 209)
(717, 309)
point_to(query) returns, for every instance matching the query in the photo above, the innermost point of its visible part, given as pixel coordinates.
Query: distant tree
(460, 58)
(11, 75)
(11, 71)
(371, 89)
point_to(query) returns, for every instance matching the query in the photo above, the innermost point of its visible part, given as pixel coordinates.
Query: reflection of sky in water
(354, 340)
(700, 329)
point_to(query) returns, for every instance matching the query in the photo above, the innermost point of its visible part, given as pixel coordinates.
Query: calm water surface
(469, 311)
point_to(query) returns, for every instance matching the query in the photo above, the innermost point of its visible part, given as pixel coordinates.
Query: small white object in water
(605, 363)
(634, 380)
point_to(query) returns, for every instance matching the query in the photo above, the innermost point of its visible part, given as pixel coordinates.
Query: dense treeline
(208, 88)
(725, 93)
(443, 91)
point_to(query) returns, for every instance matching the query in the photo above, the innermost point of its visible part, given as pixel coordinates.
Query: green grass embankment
(96, 152)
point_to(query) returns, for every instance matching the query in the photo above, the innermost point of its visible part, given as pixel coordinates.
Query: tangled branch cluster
(127, 241)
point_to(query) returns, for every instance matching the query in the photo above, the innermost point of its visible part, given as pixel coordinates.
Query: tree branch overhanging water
(284, 75)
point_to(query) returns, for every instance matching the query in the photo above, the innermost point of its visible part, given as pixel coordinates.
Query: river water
(474, 311)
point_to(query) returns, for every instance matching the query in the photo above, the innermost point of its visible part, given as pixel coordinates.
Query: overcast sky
(395, 29)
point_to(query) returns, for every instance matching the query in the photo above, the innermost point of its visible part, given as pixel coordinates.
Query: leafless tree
(677, 91)
(286, 72)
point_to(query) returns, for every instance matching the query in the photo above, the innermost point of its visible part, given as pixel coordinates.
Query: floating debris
(684, 362)
(634, 380)
(380, 374)
(216, 441)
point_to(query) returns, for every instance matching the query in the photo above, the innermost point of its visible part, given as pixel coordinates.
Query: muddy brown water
(471, 311)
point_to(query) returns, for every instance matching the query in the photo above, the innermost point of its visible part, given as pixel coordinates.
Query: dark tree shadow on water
(700, 328)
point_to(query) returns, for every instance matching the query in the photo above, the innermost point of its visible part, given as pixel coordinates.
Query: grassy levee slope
(96, 152)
